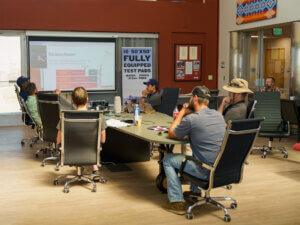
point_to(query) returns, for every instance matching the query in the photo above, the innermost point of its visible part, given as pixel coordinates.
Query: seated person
(64, 104)
(32, 103)
(22, 83)
(151, 95)
(205, 129)
(234, 106)
(270, 86)
(80, 101)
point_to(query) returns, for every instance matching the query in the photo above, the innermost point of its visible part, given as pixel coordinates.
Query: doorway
(266, 52)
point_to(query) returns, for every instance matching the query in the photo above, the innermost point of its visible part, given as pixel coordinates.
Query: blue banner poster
(136, 69)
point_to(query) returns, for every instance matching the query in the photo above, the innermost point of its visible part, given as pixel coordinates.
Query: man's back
(206, 130)
(236, 111)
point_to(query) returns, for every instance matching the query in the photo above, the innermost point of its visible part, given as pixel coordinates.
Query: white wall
(287, 11)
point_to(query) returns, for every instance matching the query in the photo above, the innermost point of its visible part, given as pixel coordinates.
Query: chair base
(86, 177)
(211, 200)
(31, 141)
(265, 149)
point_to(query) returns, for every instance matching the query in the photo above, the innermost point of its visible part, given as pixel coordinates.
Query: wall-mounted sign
(188, 62)
(253, 10)
(136, 69)
(277, 31)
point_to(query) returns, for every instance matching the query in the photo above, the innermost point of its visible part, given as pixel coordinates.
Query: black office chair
(26, 119)
(48, 107)
(80, 144)
(169, 98)
(228, 167)
(213, 100)
(268, 107)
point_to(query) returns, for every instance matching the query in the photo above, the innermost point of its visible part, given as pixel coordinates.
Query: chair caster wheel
(31, 145)
(56, 169)
(55, 182)
(43, 164)
(189, 216)
(161, 183)
(103, 181)
(233, 205)
(36, 155)
(229, 187)
(285, 156)
(22, 143)
(263, 156)
(66, 190)
(227, 218)
(94, 189)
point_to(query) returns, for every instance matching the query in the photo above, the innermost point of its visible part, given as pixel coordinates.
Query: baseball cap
(21, 80)
(151, 82)
(200, 91)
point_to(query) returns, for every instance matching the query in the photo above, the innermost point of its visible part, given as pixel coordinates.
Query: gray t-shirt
(154, 99)
(237, 111)
(205, 129)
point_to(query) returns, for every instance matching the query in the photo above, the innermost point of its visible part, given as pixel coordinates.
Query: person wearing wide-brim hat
(234, 106)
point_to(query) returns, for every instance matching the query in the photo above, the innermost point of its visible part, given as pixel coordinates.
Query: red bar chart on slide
(70, 79)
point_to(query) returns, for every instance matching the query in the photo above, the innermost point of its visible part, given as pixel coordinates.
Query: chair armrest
(191, 158)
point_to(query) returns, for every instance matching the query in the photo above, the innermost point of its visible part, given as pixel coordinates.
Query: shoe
(178, 208)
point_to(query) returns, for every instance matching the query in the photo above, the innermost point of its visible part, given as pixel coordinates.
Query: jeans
(172, 162)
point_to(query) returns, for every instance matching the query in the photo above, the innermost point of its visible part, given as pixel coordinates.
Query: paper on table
(116, 123)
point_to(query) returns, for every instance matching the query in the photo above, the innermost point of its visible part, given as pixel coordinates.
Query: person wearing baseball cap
(234, 106)
(205, 129)
(151, 95)
(22, 83)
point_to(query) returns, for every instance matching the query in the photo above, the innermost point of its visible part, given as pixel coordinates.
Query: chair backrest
(48, 107)
(81, 137)
(268, 107)
(251, 109)
(213, 100)
(238, 141)
(169, 98)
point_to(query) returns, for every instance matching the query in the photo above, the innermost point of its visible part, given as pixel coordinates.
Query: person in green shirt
(31, 103)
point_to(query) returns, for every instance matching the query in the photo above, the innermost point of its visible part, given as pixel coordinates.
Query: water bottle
(136, 114)
(175, 112)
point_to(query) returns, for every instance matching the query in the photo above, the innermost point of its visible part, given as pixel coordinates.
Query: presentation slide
(65, 65)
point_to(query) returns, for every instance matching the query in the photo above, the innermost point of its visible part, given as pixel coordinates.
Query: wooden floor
(269, 193)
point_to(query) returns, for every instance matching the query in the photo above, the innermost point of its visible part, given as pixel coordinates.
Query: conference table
(165, 144)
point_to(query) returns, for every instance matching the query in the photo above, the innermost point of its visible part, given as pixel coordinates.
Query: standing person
(22, 83)
(234, 106)
(151, 95)
(205, 129)
(270, 86)
(80, 101)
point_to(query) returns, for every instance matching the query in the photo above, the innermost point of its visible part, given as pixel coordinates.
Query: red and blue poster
(253, 10)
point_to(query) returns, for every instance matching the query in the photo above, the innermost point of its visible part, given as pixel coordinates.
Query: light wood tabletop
(148, 120)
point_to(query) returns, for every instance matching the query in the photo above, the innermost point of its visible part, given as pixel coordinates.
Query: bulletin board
(188, 59)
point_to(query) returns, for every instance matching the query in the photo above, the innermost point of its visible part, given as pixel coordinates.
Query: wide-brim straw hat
(238, 85)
